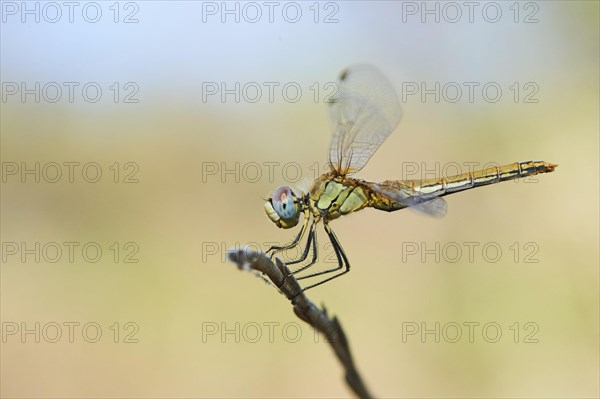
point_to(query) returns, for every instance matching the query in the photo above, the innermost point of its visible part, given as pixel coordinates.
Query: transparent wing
(406, 196)
(364, 112)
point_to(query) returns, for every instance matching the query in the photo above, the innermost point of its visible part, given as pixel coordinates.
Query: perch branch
(305, 309)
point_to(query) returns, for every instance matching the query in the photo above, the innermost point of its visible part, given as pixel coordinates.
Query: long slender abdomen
(443, 186)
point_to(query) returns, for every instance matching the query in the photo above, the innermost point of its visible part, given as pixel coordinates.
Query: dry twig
(304, 309)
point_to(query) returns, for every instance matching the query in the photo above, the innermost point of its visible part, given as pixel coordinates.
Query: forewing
(364, 111)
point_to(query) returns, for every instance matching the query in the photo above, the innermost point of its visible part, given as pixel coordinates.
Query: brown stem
(305, 309)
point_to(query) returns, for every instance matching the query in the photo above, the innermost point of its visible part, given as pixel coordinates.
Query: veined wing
(403, 196)
(364, 112)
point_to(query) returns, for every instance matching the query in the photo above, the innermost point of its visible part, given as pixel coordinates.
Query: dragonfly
(364, 111)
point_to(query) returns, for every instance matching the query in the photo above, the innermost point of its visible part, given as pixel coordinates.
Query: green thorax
(333, 196)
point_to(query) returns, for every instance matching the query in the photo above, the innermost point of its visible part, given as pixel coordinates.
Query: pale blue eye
(283, 203)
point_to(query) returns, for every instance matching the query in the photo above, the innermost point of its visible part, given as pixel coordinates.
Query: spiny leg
(312, 239)
(313, 233)
(276, 249)
(341, 257)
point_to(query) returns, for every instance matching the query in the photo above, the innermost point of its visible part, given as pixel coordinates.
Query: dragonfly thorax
(333, 196)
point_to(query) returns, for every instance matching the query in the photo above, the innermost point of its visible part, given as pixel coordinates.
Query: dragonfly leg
(341, 257)
(276, 249)
(312, 240)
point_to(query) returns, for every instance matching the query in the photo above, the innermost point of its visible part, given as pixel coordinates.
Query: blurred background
(140, 138)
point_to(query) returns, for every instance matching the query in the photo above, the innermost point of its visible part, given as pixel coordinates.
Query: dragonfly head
(282, 208)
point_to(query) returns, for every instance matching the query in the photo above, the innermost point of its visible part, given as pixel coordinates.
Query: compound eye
(283, 203)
